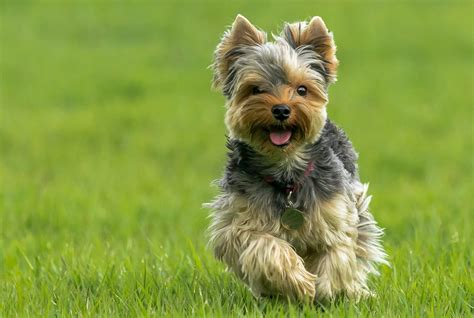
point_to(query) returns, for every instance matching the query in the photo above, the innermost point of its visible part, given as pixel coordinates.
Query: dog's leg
(241, 237)
(272, 267)
(267, 264)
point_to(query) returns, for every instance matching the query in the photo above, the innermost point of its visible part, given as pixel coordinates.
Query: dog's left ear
(241, 34)
(316, 35)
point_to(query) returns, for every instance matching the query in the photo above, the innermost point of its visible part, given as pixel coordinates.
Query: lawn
(110, 136)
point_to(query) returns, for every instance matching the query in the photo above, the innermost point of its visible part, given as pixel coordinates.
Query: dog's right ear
(241, 34)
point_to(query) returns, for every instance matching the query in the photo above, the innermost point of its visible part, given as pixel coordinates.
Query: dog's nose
(281, 112)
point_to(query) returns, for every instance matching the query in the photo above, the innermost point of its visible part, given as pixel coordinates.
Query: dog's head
(276, 91)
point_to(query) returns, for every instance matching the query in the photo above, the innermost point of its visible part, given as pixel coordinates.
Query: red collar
(290, 187)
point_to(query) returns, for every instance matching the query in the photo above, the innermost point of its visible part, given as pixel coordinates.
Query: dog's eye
(257, 90)
(302, 90)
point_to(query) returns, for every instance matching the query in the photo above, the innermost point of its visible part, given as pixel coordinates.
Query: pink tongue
(279, 138)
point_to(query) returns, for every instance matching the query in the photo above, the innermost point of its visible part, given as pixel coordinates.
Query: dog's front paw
(272, 267)
(296, 284)
(304, 284)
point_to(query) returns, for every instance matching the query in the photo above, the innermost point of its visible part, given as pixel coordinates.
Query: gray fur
(335, 166)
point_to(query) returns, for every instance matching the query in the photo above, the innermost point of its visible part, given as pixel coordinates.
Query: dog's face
(276, 91)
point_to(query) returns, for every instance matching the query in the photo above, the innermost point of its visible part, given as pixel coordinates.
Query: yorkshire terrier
(292, 219)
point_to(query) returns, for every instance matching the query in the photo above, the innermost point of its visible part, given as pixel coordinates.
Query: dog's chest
(326, 222)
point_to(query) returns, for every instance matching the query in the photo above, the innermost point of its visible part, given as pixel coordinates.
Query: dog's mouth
(280, 137)
(277, 136)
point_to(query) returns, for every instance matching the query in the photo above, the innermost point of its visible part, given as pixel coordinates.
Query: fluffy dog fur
(338, 245)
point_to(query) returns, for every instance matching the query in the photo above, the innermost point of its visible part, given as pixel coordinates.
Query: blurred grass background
(110, 136)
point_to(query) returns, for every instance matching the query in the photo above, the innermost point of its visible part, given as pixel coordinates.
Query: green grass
(110, 136)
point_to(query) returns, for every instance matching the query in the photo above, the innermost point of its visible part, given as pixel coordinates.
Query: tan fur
(247, 113)
(319, 260)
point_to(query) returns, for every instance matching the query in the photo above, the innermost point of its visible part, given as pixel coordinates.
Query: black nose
(281, 112)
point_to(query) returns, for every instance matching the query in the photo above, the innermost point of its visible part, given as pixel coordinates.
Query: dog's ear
(241, 34)
(316, 35)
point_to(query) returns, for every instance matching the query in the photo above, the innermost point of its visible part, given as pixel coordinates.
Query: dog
(292, 219)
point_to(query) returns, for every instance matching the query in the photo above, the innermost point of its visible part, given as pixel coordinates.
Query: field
(110, 136)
